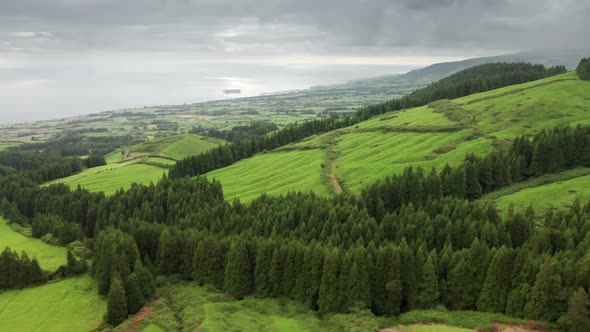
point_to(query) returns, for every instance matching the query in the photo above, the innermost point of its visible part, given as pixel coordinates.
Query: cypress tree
(544, 301)
(329, 291)
(275, 274)
(427, 292)
(134, 297)
(116, 301)
(145, 281)
(577, 317)
(239, 277)
(496, 287)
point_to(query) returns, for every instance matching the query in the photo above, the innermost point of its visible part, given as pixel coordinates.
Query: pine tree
(427, 292)
(496, 287)
(145, 281)
(239, 277)
(116, 302)
(168, 253)
(577, 317)
(134, 297)
(275, 274)
(544, 302)
(208, 263)
(329, 290)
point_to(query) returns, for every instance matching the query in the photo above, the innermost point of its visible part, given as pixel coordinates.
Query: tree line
(19, 271)
(549, 151)
(237, 134)
(583, 69)
(472, 80)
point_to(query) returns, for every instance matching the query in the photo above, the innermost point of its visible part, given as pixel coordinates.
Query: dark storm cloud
(277, 26)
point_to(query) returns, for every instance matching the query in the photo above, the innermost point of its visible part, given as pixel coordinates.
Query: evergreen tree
(496, 287)
(116, 302)
(329, 297)
(134, 297)
(577, 317)
(145, 281)
(427, 292)
(239, 277)
(545, 298)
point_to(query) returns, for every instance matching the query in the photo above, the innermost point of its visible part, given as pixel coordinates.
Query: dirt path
(139, 317)
(334, 179)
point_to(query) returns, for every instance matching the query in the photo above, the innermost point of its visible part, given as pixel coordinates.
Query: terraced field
(429, 136)
(49, 257)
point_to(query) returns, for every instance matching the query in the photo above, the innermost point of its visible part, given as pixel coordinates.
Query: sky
(67, 57)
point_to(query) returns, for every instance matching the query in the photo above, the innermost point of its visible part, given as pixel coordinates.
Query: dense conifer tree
(238, 279)
(116, 301)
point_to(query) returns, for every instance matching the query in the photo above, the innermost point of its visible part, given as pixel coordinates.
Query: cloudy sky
(68, 57)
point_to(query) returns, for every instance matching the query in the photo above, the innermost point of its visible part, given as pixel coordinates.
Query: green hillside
(429, 136)
(174, 147)
(556, 191)
(141, 163)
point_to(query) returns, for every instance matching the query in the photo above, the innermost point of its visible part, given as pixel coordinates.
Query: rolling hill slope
(141, 163)
(429, 136)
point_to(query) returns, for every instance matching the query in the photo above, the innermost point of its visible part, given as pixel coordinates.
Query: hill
(421, 77)
(142, 163)
(428, 136)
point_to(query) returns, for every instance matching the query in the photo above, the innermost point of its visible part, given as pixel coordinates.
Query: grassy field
(432, 328)
(141, 163)
(4, 145)
(69, 305)
(429, 136)
(273, 173)
(192, 308)
(112, 177)
(49, 257)
(553, 191)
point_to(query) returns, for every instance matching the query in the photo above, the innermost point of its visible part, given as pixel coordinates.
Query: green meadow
(68, 305)
(557, 191)
(428, 136)
(141, 163)
(189, 307)
(272, 173)
(50, 257)
(112, 177)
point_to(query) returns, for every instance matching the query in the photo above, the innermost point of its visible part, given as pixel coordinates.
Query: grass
(185, 306)
(433, 328)
(50, 257)
(559, 193)
(429, 136)
(189, 145)
(273, 173)
(145, 163)
(459, 319)
(69, 305)
(110, 178)
(367, 157)
(5, 145)
(191, 308)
